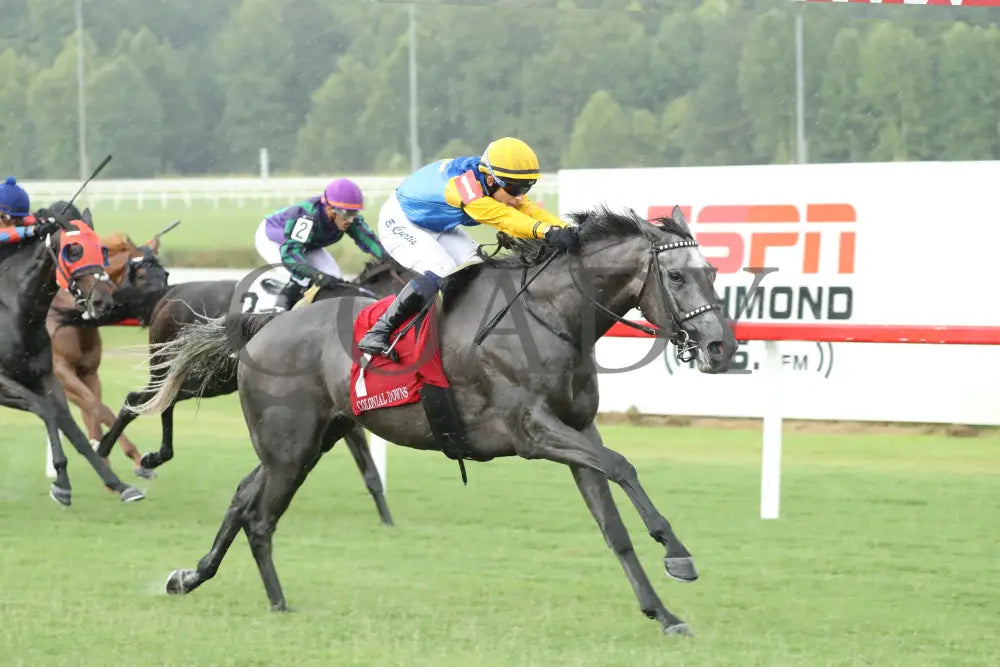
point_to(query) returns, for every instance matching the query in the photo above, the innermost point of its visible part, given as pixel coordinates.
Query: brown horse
(76, 350)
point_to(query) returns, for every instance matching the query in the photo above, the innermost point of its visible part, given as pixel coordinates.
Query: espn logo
(748, 248)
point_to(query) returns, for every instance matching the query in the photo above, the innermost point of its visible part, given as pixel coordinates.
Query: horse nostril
(716, 348)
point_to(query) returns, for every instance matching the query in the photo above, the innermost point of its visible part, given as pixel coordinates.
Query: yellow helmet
(510, 158)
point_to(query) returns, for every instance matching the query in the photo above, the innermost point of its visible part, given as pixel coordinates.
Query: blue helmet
(13, 199)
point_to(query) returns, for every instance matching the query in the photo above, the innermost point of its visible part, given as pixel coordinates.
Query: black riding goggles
(517, 188)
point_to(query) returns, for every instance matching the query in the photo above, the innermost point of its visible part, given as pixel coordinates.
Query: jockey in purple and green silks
(295, 236)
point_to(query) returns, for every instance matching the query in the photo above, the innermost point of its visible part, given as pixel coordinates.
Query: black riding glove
(46, 226)
(565, 238)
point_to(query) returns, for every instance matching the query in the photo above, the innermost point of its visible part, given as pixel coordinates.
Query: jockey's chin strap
(82, 300)
(685, 347)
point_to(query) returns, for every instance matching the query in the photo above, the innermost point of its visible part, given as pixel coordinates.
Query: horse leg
(358, 445)
(282, 478)
(15, 395)
(79, 393)
(124, 418)
(677, 562)
(105, 417)
(184, 581)
(558, 442)
(597, 494)
(279, 485)
(155, 459)
(67, 425)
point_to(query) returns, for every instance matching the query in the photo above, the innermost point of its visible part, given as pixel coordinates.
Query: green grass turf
(886, 554)
(224, 236)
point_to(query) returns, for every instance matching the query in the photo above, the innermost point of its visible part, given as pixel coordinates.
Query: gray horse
(532, 394)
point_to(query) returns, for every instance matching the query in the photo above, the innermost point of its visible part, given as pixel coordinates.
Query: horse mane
(593, 225)
(72, 212)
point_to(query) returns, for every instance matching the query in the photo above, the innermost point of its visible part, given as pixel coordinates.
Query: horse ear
(87, 218)
(678, 215)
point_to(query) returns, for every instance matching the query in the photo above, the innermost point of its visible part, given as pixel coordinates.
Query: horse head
(678, 296)
(134, 266)
(655, 266)
(80, 259)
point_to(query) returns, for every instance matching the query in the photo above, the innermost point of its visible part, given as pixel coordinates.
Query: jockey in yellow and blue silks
(420, 225)
(16, 221)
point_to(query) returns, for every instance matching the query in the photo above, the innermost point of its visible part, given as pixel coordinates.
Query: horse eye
(675, 276)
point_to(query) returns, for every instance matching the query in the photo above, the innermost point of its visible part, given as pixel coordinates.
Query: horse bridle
(685, 347)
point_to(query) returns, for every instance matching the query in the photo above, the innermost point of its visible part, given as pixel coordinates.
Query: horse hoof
(281, 606)
(144, 473)
(131, 494)
(681, 569)
(148, 461)
(175, 582)
(681, 629)
(60, 495)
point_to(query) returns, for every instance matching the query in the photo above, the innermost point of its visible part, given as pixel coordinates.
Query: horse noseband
(83, 300)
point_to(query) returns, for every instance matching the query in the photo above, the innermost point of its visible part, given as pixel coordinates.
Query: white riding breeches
(422, 249)
(270, 252)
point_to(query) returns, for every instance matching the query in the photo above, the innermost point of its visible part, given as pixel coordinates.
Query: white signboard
(893, 243)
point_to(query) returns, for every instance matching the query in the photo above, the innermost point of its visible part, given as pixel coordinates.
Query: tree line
(194, 87)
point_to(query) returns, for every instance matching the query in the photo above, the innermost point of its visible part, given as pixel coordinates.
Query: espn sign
(749, 246)
(864, 243)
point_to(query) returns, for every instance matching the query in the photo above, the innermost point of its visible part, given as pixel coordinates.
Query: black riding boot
(289, 296)
(407, 303)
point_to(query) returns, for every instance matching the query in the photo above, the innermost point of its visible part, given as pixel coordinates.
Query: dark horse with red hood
(32, 269)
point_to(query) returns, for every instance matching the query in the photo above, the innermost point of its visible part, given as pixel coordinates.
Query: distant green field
(223, 236)
(886, 554)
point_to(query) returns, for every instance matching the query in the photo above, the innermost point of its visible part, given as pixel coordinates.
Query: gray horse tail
(201, 353)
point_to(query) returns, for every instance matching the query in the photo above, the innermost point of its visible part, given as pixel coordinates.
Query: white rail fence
(162, 193)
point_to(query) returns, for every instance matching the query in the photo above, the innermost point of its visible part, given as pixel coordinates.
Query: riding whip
(89, 179)
(156, 237)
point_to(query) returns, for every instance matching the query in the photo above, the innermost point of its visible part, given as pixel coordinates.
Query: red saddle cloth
(385, 383)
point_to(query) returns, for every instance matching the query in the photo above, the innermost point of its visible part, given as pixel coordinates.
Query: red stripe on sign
(940, 3)
(749, 214)
(845, 333)
(831, 213)
(777, 213)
